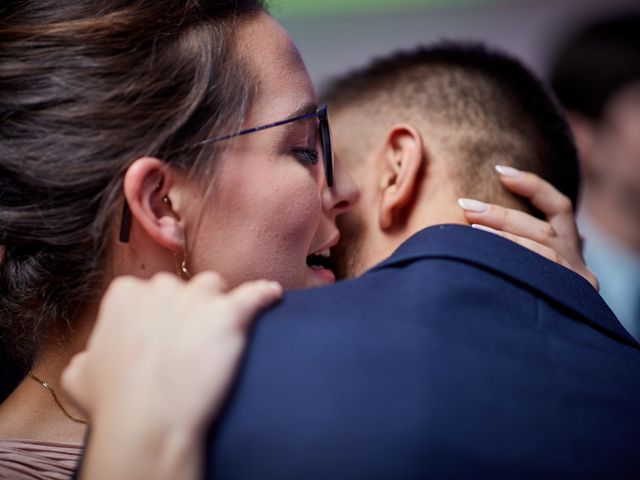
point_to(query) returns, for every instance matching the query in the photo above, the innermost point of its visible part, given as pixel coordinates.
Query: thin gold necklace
(55, 398)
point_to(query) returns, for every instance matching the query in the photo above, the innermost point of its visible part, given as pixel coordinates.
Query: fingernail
(507, 171)
(477, 226)
(470, 205)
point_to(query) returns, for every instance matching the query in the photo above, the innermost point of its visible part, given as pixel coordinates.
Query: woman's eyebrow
(306, 109)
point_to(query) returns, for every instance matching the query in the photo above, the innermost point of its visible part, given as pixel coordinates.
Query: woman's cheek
(263, 226)
(292, 233)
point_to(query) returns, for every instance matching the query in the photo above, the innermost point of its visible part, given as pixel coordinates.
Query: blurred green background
(303, 8)
(335, 35)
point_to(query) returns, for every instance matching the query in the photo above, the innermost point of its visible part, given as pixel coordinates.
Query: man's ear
(402, 158)
(147, 185)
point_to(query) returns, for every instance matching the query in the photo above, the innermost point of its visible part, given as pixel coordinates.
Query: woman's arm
(149, 402)
(557, 238)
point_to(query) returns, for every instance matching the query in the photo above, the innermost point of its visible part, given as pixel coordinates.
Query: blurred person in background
(596, 75)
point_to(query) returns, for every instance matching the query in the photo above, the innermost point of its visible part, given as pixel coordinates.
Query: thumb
(251, 298)
(74, 381)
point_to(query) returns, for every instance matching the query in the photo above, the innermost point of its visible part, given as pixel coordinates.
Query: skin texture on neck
(436, 205)
(406, 185)
(30, 411)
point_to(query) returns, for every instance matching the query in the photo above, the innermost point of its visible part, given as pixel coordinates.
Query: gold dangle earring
(181, 269)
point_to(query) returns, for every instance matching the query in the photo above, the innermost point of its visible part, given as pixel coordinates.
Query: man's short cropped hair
(484, 106)
(596, 62)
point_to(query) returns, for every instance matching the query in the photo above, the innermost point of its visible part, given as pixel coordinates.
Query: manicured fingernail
(477, 226)
(507, 171)
(470, 205)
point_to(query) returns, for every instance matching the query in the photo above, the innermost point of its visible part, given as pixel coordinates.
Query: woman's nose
(344, 193)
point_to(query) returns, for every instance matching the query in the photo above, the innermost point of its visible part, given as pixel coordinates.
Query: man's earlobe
(147, 190)
(403, 158)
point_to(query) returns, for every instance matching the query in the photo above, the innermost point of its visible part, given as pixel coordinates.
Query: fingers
(559, 232)
(556, 238)
(542, 195)
(149, 332)
(205, 288)
(507, 219)
(209, 281)
(72, 380)
(547, 252)
(532, 245)
(591, 278)
(252, 297)
(247, 300)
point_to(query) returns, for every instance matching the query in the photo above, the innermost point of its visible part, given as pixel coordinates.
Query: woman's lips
(324, 274)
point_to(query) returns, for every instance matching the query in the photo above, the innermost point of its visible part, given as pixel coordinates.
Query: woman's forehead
(282, 82)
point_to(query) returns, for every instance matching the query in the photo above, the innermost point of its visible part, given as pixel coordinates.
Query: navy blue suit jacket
(461, 356)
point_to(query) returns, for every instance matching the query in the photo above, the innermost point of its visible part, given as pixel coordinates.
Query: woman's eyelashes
(306, 155)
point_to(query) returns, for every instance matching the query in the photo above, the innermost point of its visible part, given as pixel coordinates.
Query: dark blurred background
(334, 35)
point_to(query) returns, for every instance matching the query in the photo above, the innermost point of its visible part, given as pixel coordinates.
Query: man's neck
(445, 211)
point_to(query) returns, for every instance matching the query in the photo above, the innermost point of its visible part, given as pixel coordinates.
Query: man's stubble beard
(348, 256)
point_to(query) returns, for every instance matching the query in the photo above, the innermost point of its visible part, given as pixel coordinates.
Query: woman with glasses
(144, 137)
(119, 157)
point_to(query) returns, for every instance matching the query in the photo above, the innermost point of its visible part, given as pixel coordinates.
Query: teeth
(314, 262)
(324, 253)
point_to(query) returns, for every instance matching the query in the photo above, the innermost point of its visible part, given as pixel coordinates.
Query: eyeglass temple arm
(125, 225)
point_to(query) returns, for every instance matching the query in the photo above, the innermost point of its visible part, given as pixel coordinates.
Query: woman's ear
(402, 158)
(147, 184)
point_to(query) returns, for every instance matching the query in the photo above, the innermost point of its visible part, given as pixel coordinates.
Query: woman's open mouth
(320, 263)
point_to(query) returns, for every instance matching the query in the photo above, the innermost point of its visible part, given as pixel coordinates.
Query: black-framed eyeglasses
(325, 136)
(325, 142)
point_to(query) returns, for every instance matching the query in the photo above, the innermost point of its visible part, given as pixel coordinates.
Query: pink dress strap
(36, 460)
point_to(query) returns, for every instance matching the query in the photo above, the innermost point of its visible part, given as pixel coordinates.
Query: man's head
(596, 75)
(421, 128)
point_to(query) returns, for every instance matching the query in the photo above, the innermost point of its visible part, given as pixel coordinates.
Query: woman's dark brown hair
(87, 87)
